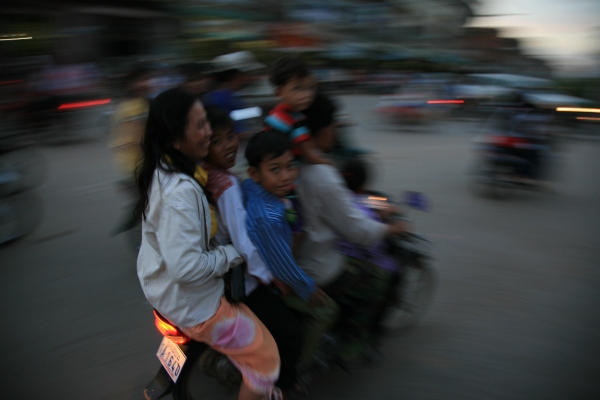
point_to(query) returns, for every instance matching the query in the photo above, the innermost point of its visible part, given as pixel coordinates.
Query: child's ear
(277, 91)
(254, 174)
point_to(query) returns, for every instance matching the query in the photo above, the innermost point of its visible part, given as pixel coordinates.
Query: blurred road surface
(515, 316)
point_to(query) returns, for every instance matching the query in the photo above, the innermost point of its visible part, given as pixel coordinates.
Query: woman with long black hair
(181, 275)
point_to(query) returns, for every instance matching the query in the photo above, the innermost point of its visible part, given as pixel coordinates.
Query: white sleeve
(342, 215)
(233, 215)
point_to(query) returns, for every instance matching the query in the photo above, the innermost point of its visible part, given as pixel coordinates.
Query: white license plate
(171, 357)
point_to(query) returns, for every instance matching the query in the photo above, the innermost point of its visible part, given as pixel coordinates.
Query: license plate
(171, 357)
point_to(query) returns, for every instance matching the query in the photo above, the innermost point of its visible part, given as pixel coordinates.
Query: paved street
(515, 315)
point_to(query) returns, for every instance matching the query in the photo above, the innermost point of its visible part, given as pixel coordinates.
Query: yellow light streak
(578, 109)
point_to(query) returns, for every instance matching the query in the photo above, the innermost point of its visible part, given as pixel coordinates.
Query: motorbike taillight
(169, 331)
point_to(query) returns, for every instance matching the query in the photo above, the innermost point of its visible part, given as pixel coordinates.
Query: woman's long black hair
(167, 121)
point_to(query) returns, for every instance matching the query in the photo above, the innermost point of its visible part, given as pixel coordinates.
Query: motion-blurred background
(424, 85)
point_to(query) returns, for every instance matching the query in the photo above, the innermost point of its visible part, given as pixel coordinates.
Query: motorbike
(52, 120)
(417, 103)
(185, 364)
(517, 153)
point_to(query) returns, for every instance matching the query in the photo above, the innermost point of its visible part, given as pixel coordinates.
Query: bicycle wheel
(413, 298)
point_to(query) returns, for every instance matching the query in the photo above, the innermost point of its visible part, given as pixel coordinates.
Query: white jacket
(180, 274)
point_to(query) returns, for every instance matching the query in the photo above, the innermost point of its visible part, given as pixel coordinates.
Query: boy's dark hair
(286, 68)
(355, 173)
(320, 114)
(264, 145)
(218, 118)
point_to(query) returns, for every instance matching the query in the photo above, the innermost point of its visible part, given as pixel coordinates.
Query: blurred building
(75, 32)
(386, 34)
(493, 53)
(367, 34)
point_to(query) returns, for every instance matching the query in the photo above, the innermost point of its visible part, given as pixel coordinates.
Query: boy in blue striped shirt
(273, 171)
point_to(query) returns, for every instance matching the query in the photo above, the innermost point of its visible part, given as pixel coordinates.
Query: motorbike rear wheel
(414, 296)
(195, 384)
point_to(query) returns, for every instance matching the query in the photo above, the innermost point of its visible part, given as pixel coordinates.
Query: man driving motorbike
(356, 285)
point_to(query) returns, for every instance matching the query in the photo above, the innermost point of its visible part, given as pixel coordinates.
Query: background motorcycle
(515, 151)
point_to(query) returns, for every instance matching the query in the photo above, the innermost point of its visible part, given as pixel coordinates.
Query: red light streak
(82, 104)
(445, 102)
(11, 82)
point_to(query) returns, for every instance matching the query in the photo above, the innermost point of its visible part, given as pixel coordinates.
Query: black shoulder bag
(235, 289)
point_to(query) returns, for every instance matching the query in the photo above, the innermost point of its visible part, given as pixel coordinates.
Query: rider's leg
(359, 292)
(247, 394)
(316, 321)
(236, 332)
(285, 327)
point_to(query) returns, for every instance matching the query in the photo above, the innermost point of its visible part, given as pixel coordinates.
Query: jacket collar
(169, 180)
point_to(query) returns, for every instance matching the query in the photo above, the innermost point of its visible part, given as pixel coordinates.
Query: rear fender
(162, 385)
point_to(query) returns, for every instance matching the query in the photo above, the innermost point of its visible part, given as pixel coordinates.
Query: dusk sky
(564, 31)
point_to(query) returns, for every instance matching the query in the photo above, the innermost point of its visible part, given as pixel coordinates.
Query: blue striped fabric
(272, 236)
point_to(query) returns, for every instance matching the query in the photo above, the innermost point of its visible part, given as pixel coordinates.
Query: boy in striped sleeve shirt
(273, 172)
